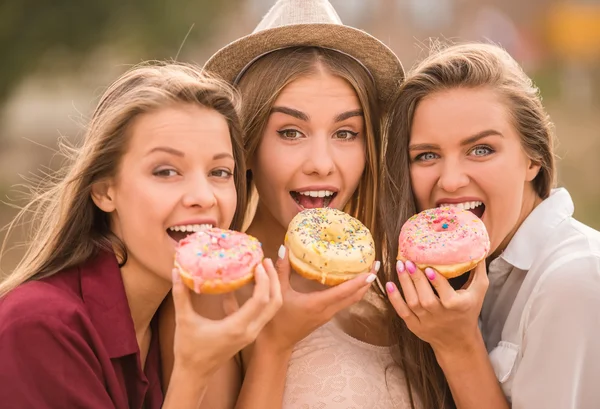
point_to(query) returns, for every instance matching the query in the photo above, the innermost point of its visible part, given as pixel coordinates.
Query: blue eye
(482, 150)
(426, 156)
(290, 134)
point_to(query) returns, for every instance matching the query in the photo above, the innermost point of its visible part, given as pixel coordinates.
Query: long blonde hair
(265, 79)
(66, 227)
(471, 65)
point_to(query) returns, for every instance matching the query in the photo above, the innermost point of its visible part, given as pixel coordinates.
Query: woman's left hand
(446, 321)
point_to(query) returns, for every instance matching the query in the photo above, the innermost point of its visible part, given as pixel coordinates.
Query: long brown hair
(265, 79)
(67, 227)
(472, 65)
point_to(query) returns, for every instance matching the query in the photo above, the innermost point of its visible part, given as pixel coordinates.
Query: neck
(267, 230)
(145, 292)
(530, 202)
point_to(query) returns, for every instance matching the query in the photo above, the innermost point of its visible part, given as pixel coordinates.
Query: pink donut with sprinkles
(217, 261)
(452, 241)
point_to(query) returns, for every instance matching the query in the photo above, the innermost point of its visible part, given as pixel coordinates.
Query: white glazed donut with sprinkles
(329, 246)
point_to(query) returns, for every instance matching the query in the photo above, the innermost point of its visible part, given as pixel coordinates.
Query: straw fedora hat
(313, 23)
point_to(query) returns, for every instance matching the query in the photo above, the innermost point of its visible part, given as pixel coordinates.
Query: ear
(103, 195)
(533, 169)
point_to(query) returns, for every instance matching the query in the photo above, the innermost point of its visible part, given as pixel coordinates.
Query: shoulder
(51, 300)
(569, 271)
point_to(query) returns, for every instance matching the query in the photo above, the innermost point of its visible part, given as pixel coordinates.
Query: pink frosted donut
(450, 240)
(216, 261)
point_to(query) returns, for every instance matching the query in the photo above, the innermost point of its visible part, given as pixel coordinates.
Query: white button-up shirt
(541, 315)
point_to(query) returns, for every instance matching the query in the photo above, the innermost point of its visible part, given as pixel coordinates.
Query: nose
(453, 177)
(319, 157)
(199, 193)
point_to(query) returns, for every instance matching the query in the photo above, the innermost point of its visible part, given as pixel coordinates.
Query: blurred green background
(60, 54)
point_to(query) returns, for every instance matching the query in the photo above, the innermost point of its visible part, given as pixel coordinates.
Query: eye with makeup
(164, 172)
(481, 151)
(345, 135)
(290, 134)
(425, 157)
(222, 173)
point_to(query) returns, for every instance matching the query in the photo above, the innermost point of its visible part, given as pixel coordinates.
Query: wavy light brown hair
(472, 65)
(67, 227)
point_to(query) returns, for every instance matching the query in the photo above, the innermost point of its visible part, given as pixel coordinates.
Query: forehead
(188, 126)
(317, 88)
(460, 112)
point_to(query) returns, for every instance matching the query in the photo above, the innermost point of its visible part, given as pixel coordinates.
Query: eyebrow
(167, 150)
(348, 114)
(291, 112)
(304, 117)
(468, 141)
(179, 153)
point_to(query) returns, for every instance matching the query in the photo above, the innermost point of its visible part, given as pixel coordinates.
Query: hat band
(243, 71)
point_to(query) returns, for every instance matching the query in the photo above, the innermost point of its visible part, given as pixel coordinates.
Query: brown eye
(165, 173)
(290, 134)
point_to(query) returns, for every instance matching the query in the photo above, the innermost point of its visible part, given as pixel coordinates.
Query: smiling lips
(311, 199)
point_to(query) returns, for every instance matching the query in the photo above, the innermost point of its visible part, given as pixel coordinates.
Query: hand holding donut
(434, 245)
(448, 320)
(302, 313)
(202, 345)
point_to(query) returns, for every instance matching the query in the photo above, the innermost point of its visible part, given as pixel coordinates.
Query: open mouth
(477, 208)
(314, 198)
(179, 233)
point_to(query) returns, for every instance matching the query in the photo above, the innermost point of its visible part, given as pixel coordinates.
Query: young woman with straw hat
(313, 93)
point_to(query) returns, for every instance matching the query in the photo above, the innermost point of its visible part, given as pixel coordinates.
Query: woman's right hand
(302, 313)
(202, 345)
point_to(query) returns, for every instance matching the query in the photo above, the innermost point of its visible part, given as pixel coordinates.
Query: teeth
(463, 206)
(192, 228)
(317, 193)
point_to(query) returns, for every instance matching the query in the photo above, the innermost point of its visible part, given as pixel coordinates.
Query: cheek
(274, 166)
(227, 201)
(352, 163)
(423, 181)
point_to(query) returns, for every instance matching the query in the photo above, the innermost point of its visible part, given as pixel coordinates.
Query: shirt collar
(537, 227)
(104, 297)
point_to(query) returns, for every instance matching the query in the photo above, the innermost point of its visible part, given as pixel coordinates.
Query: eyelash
(420, 157)
(282, 134)
(489, 149)
(161, 173)
(228, 173)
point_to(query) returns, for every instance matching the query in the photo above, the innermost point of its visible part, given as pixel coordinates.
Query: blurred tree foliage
(30, 29)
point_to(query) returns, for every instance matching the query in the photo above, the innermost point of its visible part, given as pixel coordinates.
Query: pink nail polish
(410, 266)
(430, 273)
(390, 287)
(400, 266)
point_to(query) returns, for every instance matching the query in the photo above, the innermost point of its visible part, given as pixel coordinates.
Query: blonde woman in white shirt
(470, 126)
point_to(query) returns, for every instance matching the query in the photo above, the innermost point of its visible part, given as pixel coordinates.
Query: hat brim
(381, 62)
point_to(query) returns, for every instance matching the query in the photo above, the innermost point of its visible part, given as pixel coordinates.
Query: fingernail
(175, 277)
(400, 266)
(390, 287)
(371, 278)
(281, 252)
(410, 266)
(377, 266)
(430, 273)
(259, 269)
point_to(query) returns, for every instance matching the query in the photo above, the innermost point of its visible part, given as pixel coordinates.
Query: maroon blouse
(68, 341)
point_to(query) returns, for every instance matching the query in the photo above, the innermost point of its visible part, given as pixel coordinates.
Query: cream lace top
(331, 370)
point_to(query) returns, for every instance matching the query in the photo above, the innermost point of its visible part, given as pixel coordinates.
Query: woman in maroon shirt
(78, 314)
